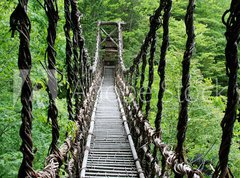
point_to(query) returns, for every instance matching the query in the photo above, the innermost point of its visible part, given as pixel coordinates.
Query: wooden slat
(110, 153)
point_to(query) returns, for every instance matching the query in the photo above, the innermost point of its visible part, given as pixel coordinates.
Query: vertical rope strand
(70, 74)
(136, 80)
(19, 21)
(148, 96)
(154, 26)
(78, 51)
(52, 14)
(161, 73)
(184, 98)
(142, 90)
(85, 59)
(231, 52)
(150, 76)
(81, 59)
(75, 25)
(162, 65)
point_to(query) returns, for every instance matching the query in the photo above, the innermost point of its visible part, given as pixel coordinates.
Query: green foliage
(208, 79)
(10, 84)
(208, 83)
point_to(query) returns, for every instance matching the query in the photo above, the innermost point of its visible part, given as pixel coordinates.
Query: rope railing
(155, 24)
(80, 80)
(145, 127)
(145, 136)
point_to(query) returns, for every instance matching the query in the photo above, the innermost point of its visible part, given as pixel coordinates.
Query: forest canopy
(208, 76)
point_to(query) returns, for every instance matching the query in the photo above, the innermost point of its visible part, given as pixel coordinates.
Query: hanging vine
(51, 10)
(70, 72)
(231, 52)
(184, 98)
(20, 22)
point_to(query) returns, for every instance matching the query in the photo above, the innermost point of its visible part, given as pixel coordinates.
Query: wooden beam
(112, 23)
(108, 35)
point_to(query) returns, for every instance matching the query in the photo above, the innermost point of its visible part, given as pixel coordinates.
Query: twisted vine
(144, 64)
(51, 10)
(20, 22)
(136, 79)
(161, 73)
(70, 72)
(231, 52)
(77, 55)
(70, 75)
(155, 24)
(78, 52)
(150, 75)
(184, 98)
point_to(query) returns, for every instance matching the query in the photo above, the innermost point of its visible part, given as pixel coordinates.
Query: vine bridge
(114, 137)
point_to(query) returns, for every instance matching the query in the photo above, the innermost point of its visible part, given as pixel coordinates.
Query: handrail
(90, 134)
(96, 57)
(167, 152)
(52, 161)
(155, 24)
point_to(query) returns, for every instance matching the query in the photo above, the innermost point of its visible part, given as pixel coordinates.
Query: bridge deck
(110, 152)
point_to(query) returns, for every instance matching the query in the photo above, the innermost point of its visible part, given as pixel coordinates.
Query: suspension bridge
(114, 137)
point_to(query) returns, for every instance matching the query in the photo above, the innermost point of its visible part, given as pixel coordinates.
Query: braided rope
(144, 64)
(162, 64)
(184, 98)
(231, 52)
(148, 98)
(82, 62)
(88, 76)
(170, 156)
(136, 79)
(144, 140)
(75, 25)
(51, 10)
(97, 61)
(70, 73)
(85, 58)
(53, 165)
(78, 50)
(19, 21)
(150, 75)
(155, 24)
(161, 73)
